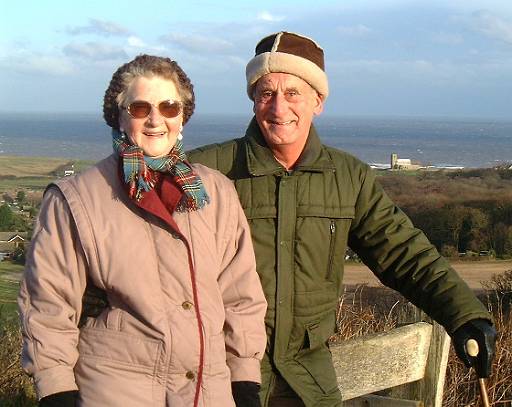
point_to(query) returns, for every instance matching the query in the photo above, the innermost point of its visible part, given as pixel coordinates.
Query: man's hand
(64, 399)
(246, 394)
(484, 333)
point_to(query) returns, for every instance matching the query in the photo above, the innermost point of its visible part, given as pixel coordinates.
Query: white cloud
(139, 44)
(94, 51)
(136, 42)
(492, 26)
(359, 30)
(99, 27)
(199, 43)
(266, 16)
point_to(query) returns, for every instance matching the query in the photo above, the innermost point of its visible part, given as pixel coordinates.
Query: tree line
(461, 212)
(466, 211)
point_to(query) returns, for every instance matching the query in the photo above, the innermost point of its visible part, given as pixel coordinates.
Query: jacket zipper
(332, 230)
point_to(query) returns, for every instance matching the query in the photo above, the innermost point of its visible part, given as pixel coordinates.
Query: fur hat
(288, 53)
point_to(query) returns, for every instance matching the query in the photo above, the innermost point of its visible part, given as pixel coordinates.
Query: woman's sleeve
(244, 301)
(50, 298)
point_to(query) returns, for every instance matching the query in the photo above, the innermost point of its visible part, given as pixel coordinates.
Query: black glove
(246, 394)
(64, 399)
(484, 333)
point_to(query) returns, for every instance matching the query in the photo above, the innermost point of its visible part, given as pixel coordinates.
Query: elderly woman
(166, 244)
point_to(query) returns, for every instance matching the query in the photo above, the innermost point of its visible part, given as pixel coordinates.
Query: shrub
(15, 387)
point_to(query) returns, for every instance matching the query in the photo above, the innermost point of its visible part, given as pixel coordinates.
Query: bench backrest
(406, 364)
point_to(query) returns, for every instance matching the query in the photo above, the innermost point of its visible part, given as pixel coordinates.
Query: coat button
(190, 375)
(187, 305)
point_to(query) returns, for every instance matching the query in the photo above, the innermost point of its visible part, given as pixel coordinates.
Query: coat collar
(261, 161)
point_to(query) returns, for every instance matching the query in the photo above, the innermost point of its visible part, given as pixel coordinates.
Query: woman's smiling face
(154, 134)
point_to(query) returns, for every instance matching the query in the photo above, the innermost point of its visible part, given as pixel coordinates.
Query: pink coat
(147, 348)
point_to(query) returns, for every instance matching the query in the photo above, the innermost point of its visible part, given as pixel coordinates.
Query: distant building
(69, 171)
(403, 163)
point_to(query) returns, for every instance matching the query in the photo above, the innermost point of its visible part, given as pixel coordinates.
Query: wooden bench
(406, 365)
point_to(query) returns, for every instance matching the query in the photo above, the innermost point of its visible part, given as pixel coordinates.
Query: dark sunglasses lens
(139, 109)
(169, 109)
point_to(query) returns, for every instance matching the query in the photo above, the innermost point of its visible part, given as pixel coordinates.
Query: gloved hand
(64, 399)
(482, 331)
(246, 394)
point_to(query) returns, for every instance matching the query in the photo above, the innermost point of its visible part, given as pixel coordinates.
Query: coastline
(438, 142)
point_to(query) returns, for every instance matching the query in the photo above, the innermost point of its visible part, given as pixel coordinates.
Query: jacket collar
(261, 161)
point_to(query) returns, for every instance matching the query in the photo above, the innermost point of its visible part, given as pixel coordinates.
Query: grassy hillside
(37, 166)
(9, 287)
(34, 173)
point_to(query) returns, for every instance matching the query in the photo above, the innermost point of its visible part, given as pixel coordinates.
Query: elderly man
(305, 203)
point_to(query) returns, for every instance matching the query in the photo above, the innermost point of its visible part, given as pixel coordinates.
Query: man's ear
(319, 105)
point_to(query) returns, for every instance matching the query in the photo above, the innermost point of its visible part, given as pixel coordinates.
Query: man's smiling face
(285, 105)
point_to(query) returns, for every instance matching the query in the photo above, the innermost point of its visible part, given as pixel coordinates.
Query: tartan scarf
(139, 172)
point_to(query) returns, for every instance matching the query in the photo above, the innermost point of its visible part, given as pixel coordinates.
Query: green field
(34, 173)
(37, 166)
(9, 287)
(30, 183)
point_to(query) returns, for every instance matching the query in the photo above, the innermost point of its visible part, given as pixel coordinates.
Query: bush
(449, 251)
(19, 255)
(461, 385)
(16, 389)
(500, 287)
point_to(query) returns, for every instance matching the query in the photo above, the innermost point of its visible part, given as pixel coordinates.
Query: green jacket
(301, 223)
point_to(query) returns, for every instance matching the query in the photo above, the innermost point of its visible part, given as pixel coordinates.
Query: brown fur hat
(288, 53)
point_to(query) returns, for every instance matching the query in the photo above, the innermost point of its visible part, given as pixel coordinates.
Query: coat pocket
(320, 245)
(117, 369)
(216, 357)
(118, 347)
(318, 363)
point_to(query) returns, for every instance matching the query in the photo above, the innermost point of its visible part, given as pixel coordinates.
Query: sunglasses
(141, 109)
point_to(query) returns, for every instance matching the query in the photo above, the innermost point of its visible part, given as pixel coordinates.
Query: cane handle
(472, 348)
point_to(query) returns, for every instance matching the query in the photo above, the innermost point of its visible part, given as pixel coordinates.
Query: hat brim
(269, 62)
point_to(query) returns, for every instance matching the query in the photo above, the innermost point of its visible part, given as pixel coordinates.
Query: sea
(436, 142)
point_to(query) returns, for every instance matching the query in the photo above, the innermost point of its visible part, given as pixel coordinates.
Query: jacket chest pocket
(321, 242)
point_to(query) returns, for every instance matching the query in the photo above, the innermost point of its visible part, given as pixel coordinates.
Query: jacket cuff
(54, 380)
(461, 321)
(244, 369)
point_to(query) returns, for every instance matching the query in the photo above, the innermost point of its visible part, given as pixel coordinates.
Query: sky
(450, 58)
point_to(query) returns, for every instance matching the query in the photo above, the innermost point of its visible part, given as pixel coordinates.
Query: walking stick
(472, 348)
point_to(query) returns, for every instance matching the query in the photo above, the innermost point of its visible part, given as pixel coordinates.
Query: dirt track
(473, 272)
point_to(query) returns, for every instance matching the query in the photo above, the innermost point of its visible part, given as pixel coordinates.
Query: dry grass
(461, 386)
(15, 387)
(29, 166)
(19, 166)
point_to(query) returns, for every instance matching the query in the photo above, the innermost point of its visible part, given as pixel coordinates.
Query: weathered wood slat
(430, 387)
(379, 401)
(371, 363)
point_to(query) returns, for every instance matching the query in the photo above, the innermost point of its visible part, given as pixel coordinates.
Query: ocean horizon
(439, 142)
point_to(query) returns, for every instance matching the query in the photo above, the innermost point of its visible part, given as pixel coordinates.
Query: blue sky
(383, 57)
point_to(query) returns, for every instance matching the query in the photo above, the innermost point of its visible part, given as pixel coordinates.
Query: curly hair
(147, 66)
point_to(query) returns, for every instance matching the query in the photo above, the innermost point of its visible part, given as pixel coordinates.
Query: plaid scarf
(140, 177)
